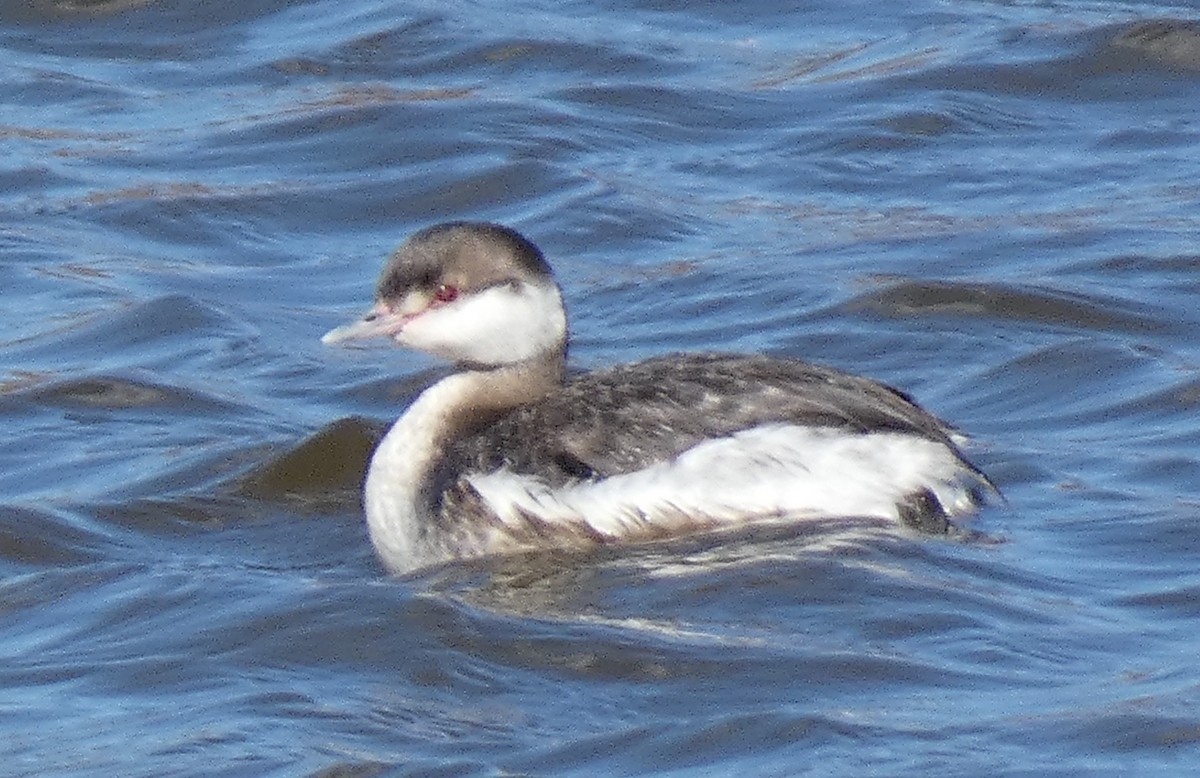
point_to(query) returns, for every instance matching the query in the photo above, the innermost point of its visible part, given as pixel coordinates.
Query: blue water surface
(994, 206)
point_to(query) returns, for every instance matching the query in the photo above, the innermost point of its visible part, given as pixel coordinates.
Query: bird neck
(402, 490)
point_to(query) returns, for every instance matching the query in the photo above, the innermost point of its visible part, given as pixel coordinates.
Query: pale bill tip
(370, 326)
(336, 335)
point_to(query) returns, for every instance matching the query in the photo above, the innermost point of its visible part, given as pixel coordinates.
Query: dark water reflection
(992, 206)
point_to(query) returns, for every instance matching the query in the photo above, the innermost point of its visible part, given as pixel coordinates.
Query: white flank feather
(776, 470)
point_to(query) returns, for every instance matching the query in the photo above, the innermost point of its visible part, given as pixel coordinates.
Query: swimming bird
(510, 453)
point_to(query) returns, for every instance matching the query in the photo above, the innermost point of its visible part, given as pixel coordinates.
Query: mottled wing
(629, 417)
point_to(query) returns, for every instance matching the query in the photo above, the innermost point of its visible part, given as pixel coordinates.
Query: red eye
(445, 294)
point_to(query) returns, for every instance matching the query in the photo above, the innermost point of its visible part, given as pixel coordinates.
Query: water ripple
(992, 206)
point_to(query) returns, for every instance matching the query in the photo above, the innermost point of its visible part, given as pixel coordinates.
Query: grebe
(509, 454)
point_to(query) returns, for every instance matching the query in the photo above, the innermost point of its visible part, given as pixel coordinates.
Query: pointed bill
(378, 322)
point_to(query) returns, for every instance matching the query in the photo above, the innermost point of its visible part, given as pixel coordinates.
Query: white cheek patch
(776, 471)
(500, 325)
